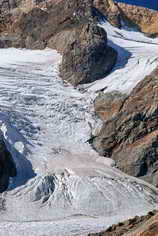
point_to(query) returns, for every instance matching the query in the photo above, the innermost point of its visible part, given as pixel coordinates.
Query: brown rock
(111, 10)
(38, 23)
(138, 226)
(147, 228)
(134, 16)
(144, 18)
(130, 131)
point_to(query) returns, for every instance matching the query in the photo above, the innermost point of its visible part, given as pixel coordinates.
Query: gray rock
(88, 57)
(7, 167)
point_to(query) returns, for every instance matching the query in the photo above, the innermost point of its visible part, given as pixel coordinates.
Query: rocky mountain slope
(74, 33)
(129, 134)
(120, 14)
(138, 226)
(50, 125)
(16, 30)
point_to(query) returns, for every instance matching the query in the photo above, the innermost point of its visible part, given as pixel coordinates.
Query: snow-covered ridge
(46, 124)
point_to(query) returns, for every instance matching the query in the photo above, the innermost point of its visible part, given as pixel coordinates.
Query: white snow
(137, 58)
(64, 187)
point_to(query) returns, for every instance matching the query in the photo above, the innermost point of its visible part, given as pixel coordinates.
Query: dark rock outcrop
(130, 131)
(87, 58)
(7, 167)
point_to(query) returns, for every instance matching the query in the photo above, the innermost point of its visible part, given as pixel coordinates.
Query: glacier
(63, 186)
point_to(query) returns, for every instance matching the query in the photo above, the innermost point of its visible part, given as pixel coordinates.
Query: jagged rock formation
(60, 16)
(133, 16)
(87, 57)
(147, 228)
(145, 19)
(110, 10)
(7, 167)
(54, 17)
(16, 16)
(130, 131)
(138, 226)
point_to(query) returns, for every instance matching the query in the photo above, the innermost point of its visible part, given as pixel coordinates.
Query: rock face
(130, 131)
(145, 19)
(147, 228)
(138, 226)
(87, 57)
(110, 10)
(139, 17)
(54, 16)
(7, 167)
(22, 20)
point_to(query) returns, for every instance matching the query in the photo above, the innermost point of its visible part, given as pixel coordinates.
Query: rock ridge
(129, 134)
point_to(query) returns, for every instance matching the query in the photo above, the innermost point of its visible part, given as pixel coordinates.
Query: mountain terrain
(140, 18)
(138, 226)
(78, 116)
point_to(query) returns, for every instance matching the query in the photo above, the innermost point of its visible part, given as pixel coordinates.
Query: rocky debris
(138, 226)
(87, 58)
(129, 134)
(7, 167)
(133, 16)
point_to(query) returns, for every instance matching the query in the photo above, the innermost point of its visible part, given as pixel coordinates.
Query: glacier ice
(63, 187)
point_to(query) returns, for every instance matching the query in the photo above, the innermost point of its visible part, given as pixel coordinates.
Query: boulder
(87, 58)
